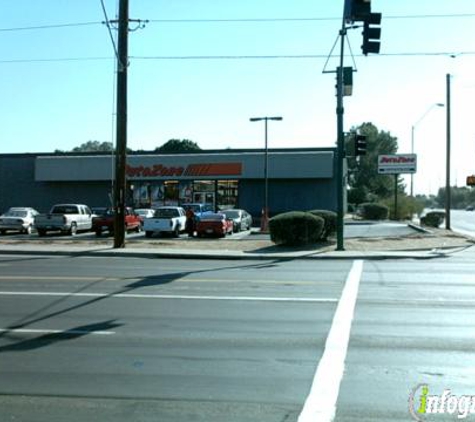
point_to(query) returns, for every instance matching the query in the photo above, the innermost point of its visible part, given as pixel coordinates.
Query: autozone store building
(298, 179)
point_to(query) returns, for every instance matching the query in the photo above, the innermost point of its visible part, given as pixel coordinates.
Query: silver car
(242, 219)
(18, 219)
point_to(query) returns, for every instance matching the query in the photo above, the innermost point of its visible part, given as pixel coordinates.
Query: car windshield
(142, 212)
(166, 213)
(192, 207)
(16, 213)
(232, 213)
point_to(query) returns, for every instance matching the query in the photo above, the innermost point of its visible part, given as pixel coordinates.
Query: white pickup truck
(165, 220)
(66, 218)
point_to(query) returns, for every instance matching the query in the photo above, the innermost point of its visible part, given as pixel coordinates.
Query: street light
(265, 211)
(412, 137)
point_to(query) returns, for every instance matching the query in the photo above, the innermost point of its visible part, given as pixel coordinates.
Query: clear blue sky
(58, 84)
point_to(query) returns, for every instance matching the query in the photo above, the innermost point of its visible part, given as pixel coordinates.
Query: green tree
(366, 185)
(178, 145)
(94, 146)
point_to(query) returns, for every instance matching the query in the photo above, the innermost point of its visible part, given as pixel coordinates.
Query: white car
(144, 213)
(18, 219)
(166, 220)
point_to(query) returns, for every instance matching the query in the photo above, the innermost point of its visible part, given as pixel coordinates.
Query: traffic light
(357, 10)
(360, 144)
(471, 180)
(371, 34)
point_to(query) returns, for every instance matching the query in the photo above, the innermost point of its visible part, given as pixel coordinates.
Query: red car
(214, 225)
(105, 221)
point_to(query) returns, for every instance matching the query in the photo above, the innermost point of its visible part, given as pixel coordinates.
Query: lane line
(183, 280)
(320, 405)
(65, 332)
(184, 297)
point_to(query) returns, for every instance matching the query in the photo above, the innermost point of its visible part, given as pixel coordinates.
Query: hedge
(433, 218)
(296, 228)
(372, 211)
(329, 218)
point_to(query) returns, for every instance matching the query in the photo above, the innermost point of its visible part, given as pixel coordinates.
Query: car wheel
(41, 232)
(98, 233)
(73, 230)
(3, 231)
(176, 232)
(148, 234)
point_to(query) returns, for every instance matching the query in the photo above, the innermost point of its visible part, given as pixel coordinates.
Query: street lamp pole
(265, 211)
(412, 137)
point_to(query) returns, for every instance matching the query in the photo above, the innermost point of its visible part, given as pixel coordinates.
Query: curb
(333, 255)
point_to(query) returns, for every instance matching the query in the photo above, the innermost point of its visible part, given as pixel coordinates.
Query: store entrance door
(204, 198)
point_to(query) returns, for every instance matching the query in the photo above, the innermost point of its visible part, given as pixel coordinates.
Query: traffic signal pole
(121, 127)
(340, 155)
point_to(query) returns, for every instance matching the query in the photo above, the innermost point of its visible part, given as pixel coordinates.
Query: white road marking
(65, 332)
(185, 297)
(320, 405)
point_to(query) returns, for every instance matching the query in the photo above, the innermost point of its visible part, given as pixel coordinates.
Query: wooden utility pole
(121, 134)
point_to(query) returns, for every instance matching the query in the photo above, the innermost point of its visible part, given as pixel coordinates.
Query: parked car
(166, 220)
(242, 219)
(18, 219)
(199, 209)
(144, 213)
(105, 222)
(66, 218)
(214, 224)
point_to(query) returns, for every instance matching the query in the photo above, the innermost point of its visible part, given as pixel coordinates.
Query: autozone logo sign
(397, 164)
(191, 170)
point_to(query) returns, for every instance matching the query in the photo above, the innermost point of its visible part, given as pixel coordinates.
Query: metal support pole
(395, 196)
(121, 149)
(340, 147)
(448, 199)
(266, 178)
(412, 152)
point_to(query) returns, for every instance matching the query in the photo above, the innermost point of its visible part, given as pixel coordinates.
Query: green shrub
(295, 228)
(406, 207)
(329, 218)
(372, 211)
(433, 218)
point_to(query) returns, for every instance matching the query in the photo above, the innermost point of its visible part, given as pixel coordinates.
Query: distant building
(298, 179)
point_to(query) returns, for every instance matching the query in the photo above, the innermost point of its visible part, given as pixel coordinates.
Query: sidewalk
(413, 243)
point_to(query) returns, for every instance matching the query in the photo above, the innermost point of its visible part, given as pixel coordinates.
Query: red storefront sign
(192, 170)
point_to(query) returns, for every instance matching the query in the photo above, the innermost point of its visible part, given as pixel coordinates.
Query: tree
(94, 146)
(90, 146)
(366, 185)
(178, 145)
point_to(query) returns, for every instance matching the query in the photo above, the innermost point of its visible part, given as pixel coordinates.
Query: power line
(239, 57)
(313, 19)
(53, 26)
(242, 20)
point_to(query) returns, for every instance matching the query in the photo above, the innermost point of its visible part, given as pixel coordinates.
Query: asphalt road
(127, 339)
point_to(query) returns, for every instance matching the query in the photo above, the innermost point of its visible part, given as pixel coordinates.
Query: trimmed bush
(433, 218)
(295, 228)
(372, 211)
(329, 218)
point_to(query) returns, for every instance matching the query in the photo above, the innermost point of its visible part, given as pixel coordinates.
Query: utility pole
(448, 198)
(121, 128)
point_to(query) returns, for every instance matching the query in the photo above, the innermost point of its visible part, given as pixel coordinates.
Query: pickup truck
(104, 222)
(166, 220)
(66, 218)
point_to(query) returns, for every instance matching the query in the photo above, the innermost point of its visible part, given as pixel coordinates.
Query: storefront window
(227, 194)
(171, 192)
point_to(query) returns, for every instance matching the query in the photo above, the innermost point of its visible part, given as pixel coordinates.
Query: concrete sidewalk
(384, 240)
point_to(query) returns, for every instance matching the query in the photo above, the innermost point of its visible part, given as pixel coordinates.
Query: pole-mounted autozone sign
(397, 164)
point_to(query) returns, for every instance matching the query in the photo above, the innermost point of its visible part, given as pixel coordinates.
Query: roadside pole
(121, 148)
(396, 176)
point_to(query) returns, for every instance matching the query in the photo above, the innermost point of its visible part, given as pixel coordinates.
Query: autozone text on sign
(397, 164)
